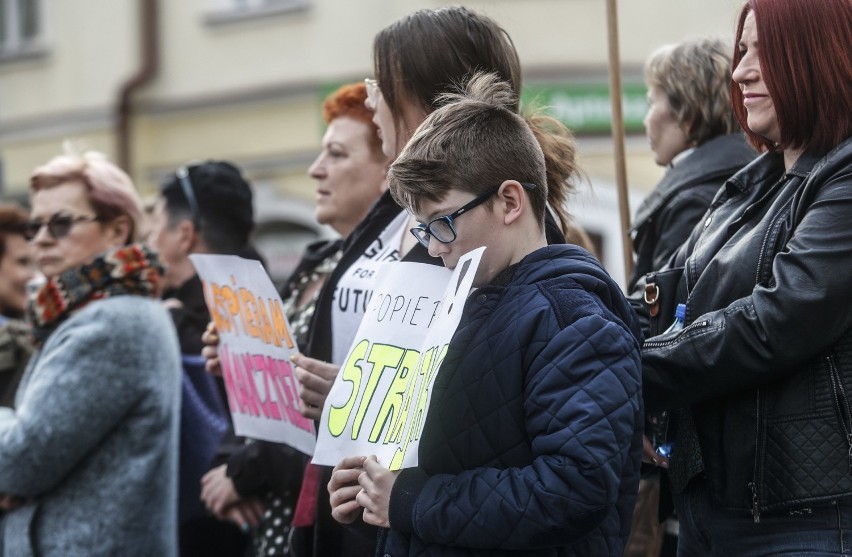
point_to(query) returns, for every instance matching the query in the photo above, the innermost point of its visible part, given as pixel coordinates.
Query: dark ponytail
(563, 173)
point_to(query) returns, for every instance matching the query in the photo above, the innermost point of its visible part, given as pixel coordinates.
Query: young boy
(533, 439)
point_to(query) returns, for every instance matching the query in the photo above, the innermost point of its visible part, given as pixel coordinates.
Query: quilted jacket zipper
(841, 403)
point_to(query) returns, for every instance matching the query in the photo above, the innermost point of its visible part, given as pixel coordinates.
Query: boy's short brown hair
(473, 143)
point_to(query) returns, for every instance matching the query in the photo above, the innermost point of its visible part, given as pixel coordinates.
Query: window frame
(15, 45)
(228, 11)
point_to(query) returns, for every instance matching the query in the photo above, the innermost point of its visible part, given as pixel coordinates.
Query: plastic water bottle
(660, 422)
(680, 317)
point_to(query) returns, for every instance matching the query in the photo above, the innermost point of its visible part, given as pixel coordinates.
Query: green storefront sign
(586, 108)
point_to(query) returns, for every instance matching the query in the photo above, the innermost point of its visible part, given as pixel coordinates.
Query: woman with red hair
(258, 485)
(763, 369)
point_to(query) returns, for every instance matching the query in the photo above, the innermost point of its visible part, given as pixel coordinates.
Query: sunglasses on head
(182, 174)
(58, 226)
(373, 92)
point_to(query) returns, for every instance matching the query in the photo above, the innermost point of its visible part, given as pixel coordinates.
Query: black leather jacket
(765, 363)
(669, 213)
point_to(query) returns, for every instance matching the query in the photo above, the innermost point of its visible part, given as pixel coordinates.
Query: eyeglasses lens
(58, 226)
(442, 230)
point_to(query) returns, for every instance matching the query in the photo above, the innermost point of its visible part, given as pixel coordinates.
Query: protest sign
(254, 350)
(379, 401)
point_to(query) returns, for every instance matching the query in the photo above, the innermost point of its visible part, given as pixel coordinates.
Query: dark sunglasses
(58, 226)
(442, 228)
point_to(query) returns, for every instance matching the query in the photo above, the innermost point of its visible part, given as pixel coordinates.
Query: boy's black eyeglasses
(58, 226)
(182, 174)
(442, 229)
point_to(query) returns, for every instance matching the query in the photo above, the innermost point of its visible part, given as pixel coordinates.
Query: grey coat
(94, 438)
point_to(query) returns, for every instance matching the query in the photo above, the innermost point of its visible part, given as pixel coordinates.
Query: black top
(669, 213)
(192, 317)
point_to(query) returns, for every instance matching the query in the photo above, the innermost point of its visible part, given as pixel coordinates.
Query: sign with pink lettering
(254, 350)
(379, 401)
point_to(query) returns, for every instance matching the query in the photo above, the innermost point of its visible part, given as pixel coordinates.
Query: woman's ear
(513, 199)
(188, 237)
(119, 231)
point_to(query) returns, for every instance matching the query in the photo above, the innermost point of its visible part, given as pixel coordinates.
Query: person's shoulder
(122, 316)
(838, 158)
(125, 305)
(576, 286)
(558, 262)
(557, 273)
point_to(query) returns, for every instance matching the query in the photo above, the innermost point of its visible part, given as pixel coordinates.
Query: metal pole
(617, 123)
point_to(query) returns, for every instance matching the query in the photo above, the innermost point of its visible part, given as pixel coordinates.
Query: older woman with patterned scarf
(88, 458)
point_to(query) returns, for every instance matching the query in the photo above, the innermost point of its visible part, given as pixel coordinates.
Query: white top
(355, 288)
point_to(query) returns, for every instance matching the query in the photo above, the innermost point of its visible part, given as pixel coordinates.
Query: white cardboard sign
(379, 401)
(254, 350)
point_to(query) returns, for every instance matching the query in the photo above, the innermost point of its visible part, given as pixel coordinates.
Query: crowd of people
(542, 436)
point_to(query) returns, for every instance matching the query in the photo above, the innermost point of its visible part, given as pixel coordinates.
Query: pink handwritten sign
(255, 349)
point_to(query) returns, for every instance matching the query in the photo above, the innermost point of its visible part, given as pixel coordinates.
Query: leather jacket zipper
(841, 403)
(690, 327)
(755, 483)
(781, 213)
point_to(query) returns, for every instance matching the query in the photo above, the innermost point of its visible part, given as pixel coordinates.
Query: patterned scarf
(132, 269)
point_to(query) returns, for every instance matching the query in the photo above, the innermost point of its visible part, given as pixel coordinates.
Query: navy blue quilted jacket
(533, 438)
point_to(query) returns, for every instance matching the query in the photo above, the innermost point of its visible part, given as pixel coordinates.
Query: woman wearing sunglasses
(88, 458)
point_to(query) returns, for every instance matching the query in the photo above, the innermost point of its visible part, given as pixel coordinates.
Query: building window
(20, 27)
(233, 10)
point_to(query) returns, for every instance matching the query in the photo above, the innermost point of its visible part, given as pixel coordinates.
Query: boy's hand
(315, 380)
(376, 484)
(344, 487)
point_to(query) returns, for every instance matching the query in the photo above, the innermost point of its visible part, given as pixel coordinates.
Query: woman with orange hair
(259, 484)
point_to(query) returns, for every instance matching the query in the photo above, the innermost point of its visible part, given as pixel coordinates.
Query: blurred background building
(156, 84)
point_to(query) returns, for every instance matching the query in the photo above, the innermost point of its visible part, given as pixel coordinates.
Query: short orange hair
(348, 101)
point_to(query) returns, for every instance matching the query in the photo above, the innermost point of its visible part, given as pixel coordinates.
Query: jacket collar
(771, 169)
(566, 263)
(716, 159)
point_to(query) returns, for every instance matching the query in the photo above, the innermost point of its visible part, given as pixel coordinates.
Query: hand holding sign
(343, 488)
(376, 485)
(254, 351)
(315, 380)
(210, 352)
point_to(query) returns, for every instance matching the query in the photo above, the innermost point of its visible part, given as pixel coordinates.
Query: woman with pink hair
(88, 457)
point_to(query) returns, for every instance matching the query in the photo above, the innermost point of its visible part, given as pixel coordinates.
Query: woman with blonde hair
(88, 458)
(693, 133)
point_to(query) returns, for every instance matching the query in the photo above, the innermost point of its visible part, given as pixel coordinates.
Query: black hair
(224, 201)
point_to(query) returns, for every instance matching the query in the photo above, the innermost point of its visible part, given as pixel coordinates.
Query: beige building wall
(247, 85)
